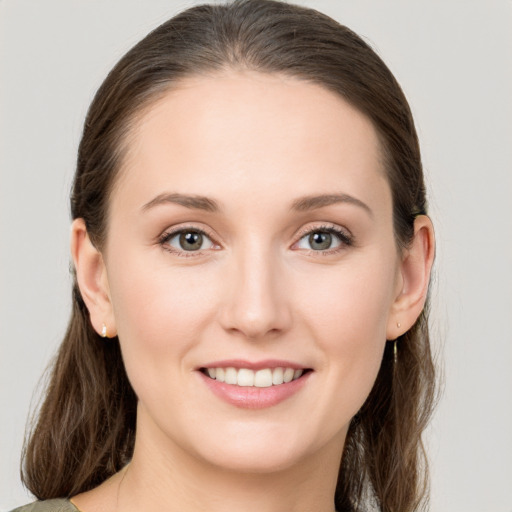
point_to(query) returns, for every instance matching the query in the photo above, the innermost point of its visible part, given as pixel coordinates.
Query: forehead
(230, 132)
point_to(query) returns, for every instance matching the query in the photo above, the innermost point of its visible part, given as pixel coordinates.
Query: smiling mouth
(245, 377)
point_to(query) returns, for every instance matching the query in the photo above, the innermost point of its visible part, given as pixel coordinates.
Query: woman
(252, 257)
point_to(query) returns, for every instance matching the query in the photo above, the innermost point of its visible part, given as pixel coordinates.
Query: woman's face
(251, 229)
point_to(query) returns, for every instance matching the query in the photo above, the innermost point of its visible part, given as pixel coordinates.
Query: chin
(259, 453)
(255, 461)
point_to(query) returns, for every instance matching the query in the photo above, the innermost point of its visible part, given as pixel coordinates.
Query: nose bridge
(255, 303)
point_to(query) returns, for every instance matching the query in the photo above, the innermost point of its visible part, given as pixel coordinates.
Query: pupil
(320, 241)
(191, 241)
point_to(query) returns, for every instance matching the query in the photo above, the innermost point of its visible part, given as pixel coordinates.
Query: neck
(171, 480)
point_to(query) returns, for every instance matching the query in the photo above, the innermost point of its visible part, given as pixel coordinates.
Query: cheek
(158, 310)
(351, 305)
(348, 316)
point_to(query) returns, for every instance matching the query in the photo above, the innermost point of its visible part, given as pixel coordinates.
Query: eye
(323, 239)
(189, 240)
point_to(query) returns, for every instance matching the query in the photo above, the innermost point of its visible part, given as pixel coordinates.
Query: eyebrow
(188, 201)
(313, 202)
(302, 204)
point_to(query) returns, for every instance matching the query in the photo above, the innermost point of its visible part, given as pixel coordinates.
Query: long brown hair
(85, 428)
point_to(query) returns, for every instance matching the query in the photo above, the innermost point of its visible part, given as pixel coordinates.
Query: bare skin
(295, 260)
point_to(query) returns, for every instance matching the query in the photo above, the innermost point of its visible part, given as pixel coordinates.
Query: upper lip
(254, 365)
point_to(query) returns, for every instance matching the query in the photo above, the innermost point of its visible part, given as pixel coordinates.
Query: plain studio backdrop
(454, 62)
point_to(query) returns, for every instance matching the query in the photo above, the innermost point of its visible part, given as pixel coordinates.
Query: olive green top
(57, 505)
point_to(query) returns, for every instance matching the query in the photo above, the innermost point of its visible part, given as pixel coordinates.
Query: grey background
(453, 59)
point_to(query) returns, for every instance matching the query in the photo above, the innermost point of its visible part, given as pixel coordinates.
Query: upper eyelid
(171, 232)
(323, 227)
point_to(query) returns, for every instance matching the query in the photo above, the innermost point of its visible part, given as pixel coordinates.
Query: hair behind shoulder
(85, 429)
(86, 426)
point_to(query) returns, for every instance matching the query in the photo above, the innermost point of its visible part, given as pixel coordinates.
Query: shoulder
(57, 505)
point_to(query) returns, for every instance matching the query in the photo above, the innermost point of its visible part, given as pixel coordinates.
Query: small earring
(398, 324)
(395, 353)
(104, 331)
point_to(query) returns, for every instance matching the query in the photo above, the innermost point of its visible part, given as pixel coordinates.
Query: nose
(256, 302)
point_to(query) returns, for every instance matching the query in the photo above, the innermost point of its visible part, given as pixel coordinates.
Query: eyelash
(345, 239)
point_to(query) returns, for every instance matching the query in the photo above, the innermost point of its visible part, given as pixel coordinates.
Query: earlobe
(415, 270)
(92, 278)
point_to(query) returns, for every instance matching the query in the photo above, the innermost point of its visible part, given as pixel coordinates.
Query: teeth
(245, 377)
(250, 378)
(231, 376)
(288, 374)
(277, 376)
(263, 378)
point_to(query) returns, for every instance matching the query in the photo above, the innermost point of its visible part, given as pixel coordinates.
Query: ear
(92, 279)
(414, 278)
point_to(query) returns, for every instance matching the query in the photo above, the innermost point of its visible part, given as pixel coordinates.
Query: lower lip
(252, 397)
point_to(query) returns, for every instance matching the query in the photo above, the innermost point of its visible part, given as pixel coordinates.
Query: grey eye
(190, 241)
(319, 240)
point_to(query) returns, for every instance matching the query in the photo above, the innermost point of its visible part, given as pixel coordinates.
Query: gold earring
(395, 348)
(104, 331)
